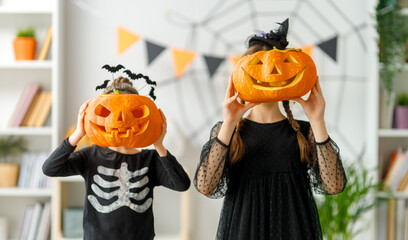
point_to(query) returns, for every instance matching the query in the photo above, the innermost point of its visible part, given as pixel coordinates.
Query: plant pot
(401, 117)
(24, 48)
(9, 174)
(387, 103)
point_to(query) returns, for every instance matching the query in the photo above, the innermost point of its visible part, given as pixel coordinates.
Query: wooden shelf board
(22, 10)
(26, 131)
(393, 133)
(25, 192)
(34, 64)
(76, 178)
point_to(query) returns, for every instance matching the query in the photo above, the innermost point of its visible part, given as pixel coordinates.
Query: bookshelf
(382, 142)
(40, 14)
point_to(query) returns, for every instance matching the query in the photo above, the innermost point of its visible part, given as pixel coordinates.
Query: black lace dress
(268, 192)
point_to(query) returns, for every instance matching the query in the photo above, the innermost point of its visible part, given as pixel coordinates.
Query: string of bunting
(183, 58)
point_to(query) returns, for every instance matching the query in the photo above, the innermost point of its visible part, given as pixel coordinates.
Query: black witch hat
(272, 39)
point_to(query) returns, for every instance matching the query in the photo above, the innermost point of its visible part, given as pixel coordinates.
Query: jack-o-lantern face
(129, 120)
(275, 75)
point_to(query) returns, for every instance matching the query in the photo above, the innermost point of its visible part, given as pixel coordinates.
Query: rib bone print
(123, 192)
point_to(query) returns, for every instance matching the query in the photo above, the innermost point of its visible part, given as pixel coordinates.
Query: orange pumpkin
(274, 75)
(130, 120)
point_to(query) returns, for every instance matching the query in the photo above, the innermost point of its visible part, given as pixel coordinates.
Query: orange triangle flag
(308, 49)
(126, 39)
(182, 59)
(234, 59)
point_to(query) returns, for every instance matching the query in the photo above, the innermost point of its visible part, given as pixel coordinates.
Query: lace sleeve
(211, 176)
(327, 174)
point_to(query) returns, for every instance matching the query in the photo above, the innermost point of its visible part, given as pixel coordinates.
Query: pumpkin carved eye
(102, 111)
(256, 61)
(140, 112)
(290, 59)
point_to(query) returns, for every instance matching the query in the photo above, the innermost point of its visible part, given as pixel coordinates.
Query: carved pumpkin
(130, 120)
(274, 75)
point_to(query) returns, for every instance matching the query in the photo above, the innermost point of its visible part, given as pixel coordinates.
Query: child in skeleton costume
(119, 180)
(266, 165)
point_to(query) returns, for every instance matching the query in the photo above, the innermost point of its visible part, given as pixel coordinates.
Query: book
(400, 174)
(391, 163)
(31, 175)
(44, 110)
(34, 221)
(403, 184)
(46, 45)
(29, 113)
(406, 223)
(23, 105)
(391, 225)
(25, 226)
(395, 168)
(44, 223)
(33, 118)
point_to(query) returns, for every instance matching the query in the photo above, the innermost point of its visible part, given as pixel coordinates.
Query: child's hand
(232, 109)
(79, 131)
(314, 106)
(158, 145)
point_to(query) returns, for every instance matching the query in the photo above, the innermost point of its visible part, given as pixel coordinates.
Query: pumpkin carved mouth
(122, 132)
(286, 82)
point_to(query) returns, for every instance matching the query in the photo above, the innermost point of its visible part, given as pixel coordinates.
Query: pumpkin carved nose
(275, 70)
(120, 118)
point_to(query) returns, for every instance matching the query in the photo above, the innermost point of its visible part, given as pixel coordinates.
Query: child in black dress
(266, 165)
(119, 180)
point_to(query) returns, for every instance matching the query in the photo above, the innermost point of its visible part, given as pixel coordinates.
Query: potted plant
(393, 35)
(25, 44)
(339, 213)
(9, 170)
(401, 111)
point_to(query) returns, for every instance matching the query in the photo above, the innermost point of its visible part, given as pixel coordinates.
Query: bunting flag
(234, 59)
(308, 49)
(213, 63)
(126, 39)
(153, 51)
(330, 48)
(182, 59)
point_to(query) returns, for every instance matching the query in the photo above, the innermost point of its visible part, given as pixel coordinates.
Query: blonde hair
(124, 85)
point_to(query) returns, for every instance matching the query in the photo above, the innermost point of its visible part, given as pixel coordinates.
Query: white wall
(192, 103)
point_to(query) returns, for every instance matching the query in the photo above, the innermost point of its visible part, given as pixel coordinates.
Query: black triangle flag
(153, 50)
(330, 47)
(213, 63)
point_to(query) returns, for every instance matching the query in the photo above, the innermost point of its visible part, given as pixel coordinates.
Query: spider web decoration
(335, 57)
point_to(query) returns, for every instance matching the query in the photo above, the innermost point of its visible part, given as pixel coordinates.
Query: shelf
(34, 64)
(393, 133)
(396, 195)
(26, 131)
(25, 192)
(76, 178)
(22, 10)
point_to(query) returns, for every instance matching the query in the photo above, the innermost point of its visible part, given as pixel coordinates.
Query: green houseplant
(392, 38)
(8, 170)
(25, 44)
(340, 213)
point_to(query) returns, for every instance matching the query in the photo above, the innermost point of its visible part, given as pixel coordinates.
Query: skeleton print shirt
(119, 187)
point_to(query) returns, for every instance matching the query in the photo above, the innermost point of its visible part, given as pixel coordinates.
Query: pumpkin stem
(116, 91)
